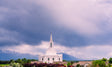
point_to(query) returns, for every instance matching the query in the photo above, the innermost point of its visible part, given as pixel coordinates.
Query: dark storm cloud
(27, 22)
(32, 24)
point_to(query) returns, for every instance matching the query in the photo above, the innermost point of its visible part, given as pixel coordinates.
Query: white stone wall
(57, 58)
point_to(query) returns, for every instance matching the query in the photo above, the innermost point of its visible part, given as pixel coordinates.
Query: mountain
(13, 55)
(69, 57)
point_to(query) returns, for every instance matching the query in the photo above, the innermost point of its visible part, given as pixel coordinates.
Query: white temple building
(51, 54)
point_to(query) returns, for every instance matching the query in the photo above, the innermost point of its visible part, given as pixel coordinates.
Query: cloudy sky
(80, 28)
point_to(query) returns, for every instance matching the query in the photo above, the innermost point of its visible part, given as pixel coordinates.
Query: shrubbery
(16, 64)
(43, 65)
(99, 63)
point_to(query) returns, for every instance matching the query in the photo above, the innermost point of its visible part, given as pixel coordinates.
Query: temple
(51, 55)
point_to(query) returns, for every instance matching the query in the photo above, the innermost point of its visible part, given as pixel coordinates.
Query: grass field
(2, 65)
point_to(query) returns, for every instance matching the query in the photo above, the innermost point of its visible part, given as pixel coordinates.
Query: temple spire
(51, 38)
(51, 41)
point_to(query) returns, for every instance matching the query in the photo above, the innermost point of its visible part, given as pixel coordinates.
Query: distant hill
(14, 55)
(69, 57)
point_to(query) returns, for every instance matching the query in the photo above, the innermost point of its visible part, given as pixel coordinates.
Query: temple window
(53, 58)
(50, 44)
(48, 58)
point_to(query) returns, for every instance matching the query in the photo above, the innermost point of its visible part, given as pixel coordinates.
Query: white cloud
(87, 17)
(26, 48)
(87, 52)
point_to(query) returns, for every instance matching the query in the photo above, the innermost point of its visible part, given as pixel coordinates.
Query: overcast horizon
(80, 28)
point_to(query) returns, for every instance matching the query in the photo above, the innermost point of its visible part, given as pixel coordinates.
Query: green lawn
(4, 65)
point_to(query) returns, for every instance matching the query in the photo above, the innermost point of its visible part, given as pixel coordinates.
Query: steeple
(51, 50)
(51, 38)
(51, 41)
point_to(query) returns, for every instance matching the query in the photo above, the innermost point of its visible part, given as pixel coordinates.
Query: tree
(24, 60)
(19, 61)
(69, 63)
(64, 61)
(104, 59)
(4, 62)
(28, 61)
(11, 61)
(72, 62)
(34, 60)
(110, 60)
(98, 63)
(78, 65)
(109, 65)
